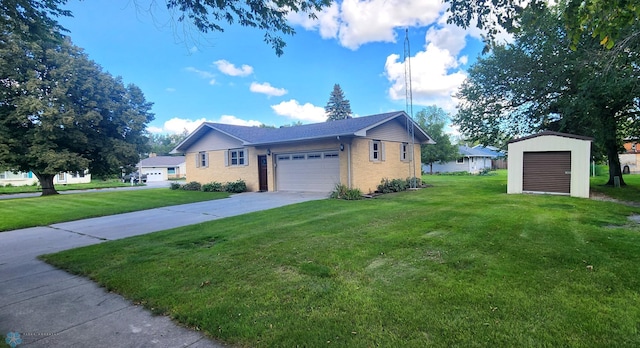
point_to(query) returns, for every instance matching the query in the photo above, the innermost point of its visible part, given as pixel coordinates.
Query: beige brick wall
(216, 171)
(366, 175)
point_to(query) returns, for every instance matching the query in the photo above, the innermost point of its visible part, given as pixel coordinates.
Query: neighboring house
(357, 152)
(630, 159)
(471, 160)
(22, 179)
(162, 168)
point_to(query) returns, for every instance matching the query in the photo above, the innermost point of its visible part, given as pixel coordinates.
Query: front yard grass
(42, 211)
(94, 184)
(459, 264)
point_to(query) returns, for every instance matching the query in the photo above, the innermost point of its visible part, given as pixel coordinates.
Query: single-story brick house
(357, 152)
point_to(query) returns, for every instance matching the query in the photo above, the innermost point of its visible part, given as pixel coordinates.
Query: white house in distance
(162, 168)
(551, 163)
(471, 160)
(28, 178)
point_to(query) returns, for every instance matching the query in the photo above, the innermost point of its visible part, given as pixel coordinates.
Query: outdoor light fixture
(268, 152)
(341, 147)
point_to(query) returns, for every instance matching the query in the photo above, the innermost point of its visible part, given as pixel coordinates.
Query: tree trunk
(614, 165)
(611, 146)
(46, 182)
(431, 168)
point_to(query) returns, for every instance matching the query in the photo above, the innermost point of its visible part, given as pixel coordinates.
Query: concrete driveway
(48, 307)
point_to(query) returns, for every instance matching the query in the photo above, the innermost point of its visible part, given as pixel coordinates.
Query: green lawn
(459, 264)
(42, 211)
(631, 192)
(94, 184)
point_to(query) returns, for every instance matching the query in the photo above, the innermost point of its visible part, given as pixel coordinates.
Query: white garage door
(309, 171)
(155, 176)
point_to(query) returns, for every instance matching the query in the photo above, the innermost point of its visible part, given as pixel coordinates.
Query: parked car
(136, 178)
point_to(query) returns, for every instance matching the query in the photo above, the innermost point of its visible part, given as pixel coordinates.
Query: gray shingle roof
(264, 136)
(162, 161)
(478, 151)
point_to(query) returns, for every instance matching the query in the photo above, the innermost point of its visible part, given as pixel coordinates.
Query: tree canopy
(539, 83)
(432, 120)
(162, 144)
(607, 20)
(338, 107)
(37, 18)
(60, 112)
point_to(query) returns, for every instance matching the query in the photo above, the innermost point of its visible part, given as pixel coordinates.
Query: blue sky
(234, 77)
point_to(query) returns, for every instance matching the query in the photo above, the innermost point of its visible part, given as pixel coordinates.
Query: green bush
(341, 191)
(397, 185)
(394, 185)
(174, 186)
(235, 186)
(192, 186)
(213, 187)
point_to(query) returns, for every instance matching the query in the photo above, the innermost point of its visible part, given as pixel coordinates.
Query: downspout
(349, 165)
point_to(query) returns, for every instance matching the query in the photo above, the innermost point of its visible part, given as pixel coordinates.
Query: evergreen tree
(338, 108)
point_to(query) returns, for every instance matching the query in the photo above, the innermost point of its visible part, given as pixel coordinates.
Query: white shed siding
(580, 158)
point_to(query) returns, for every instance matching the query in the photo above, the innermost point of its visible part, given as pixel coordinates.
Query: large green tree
(539, 83)
(606, 20)
(433, 120)
(38, 16)
(162, 144)
(338, 107)
(60, 112)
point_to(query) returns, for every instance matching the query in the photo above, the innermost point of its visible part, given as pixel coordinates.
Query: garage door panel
(313, 172)
(547, 172)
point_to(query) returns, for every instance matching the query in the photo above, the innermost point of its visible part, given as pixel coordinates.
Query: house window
(331, 155)
(314, 156)
(297, 157)
(284, 158)
(3, 175)
(404, 152)
(61, 176)
(237, 157)
(171, 171)
(376, 151)
(202, 159)
(460, 160)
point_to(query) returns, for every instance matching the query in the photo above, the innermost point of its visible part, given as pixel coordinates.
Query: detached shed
(550, 162)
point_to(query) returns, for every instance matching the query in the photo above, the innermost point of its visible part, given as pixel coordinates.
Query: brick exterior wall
(367, 174)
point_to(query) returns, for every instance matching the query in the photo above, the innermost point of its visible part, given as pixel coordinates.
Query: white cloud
(293, 110)
(228, 68)
(435, 77)
(170, 89)
(266, 88)
(327, 22)
(229, 119)
(357, 22)
(202, 74)
(153, 129)
(177, 125)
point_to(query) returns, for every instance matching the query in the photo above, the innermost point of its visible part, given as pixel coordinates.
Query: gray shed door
(309, 171)
(548, 172)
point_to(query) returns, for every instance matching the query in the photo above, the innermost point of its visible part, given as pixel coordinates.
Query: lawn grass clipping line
(458, 264)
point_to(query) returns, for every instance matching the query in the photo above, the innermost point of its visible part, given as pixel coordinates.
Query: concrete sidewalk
(51, 308)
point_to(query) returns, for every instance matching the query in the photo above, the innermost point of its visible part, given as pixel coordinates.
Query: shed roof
(547, 133)
(256, 136)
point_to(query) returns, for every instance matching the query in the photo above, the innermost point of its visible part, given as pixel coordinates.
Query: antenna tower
(409, 109)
